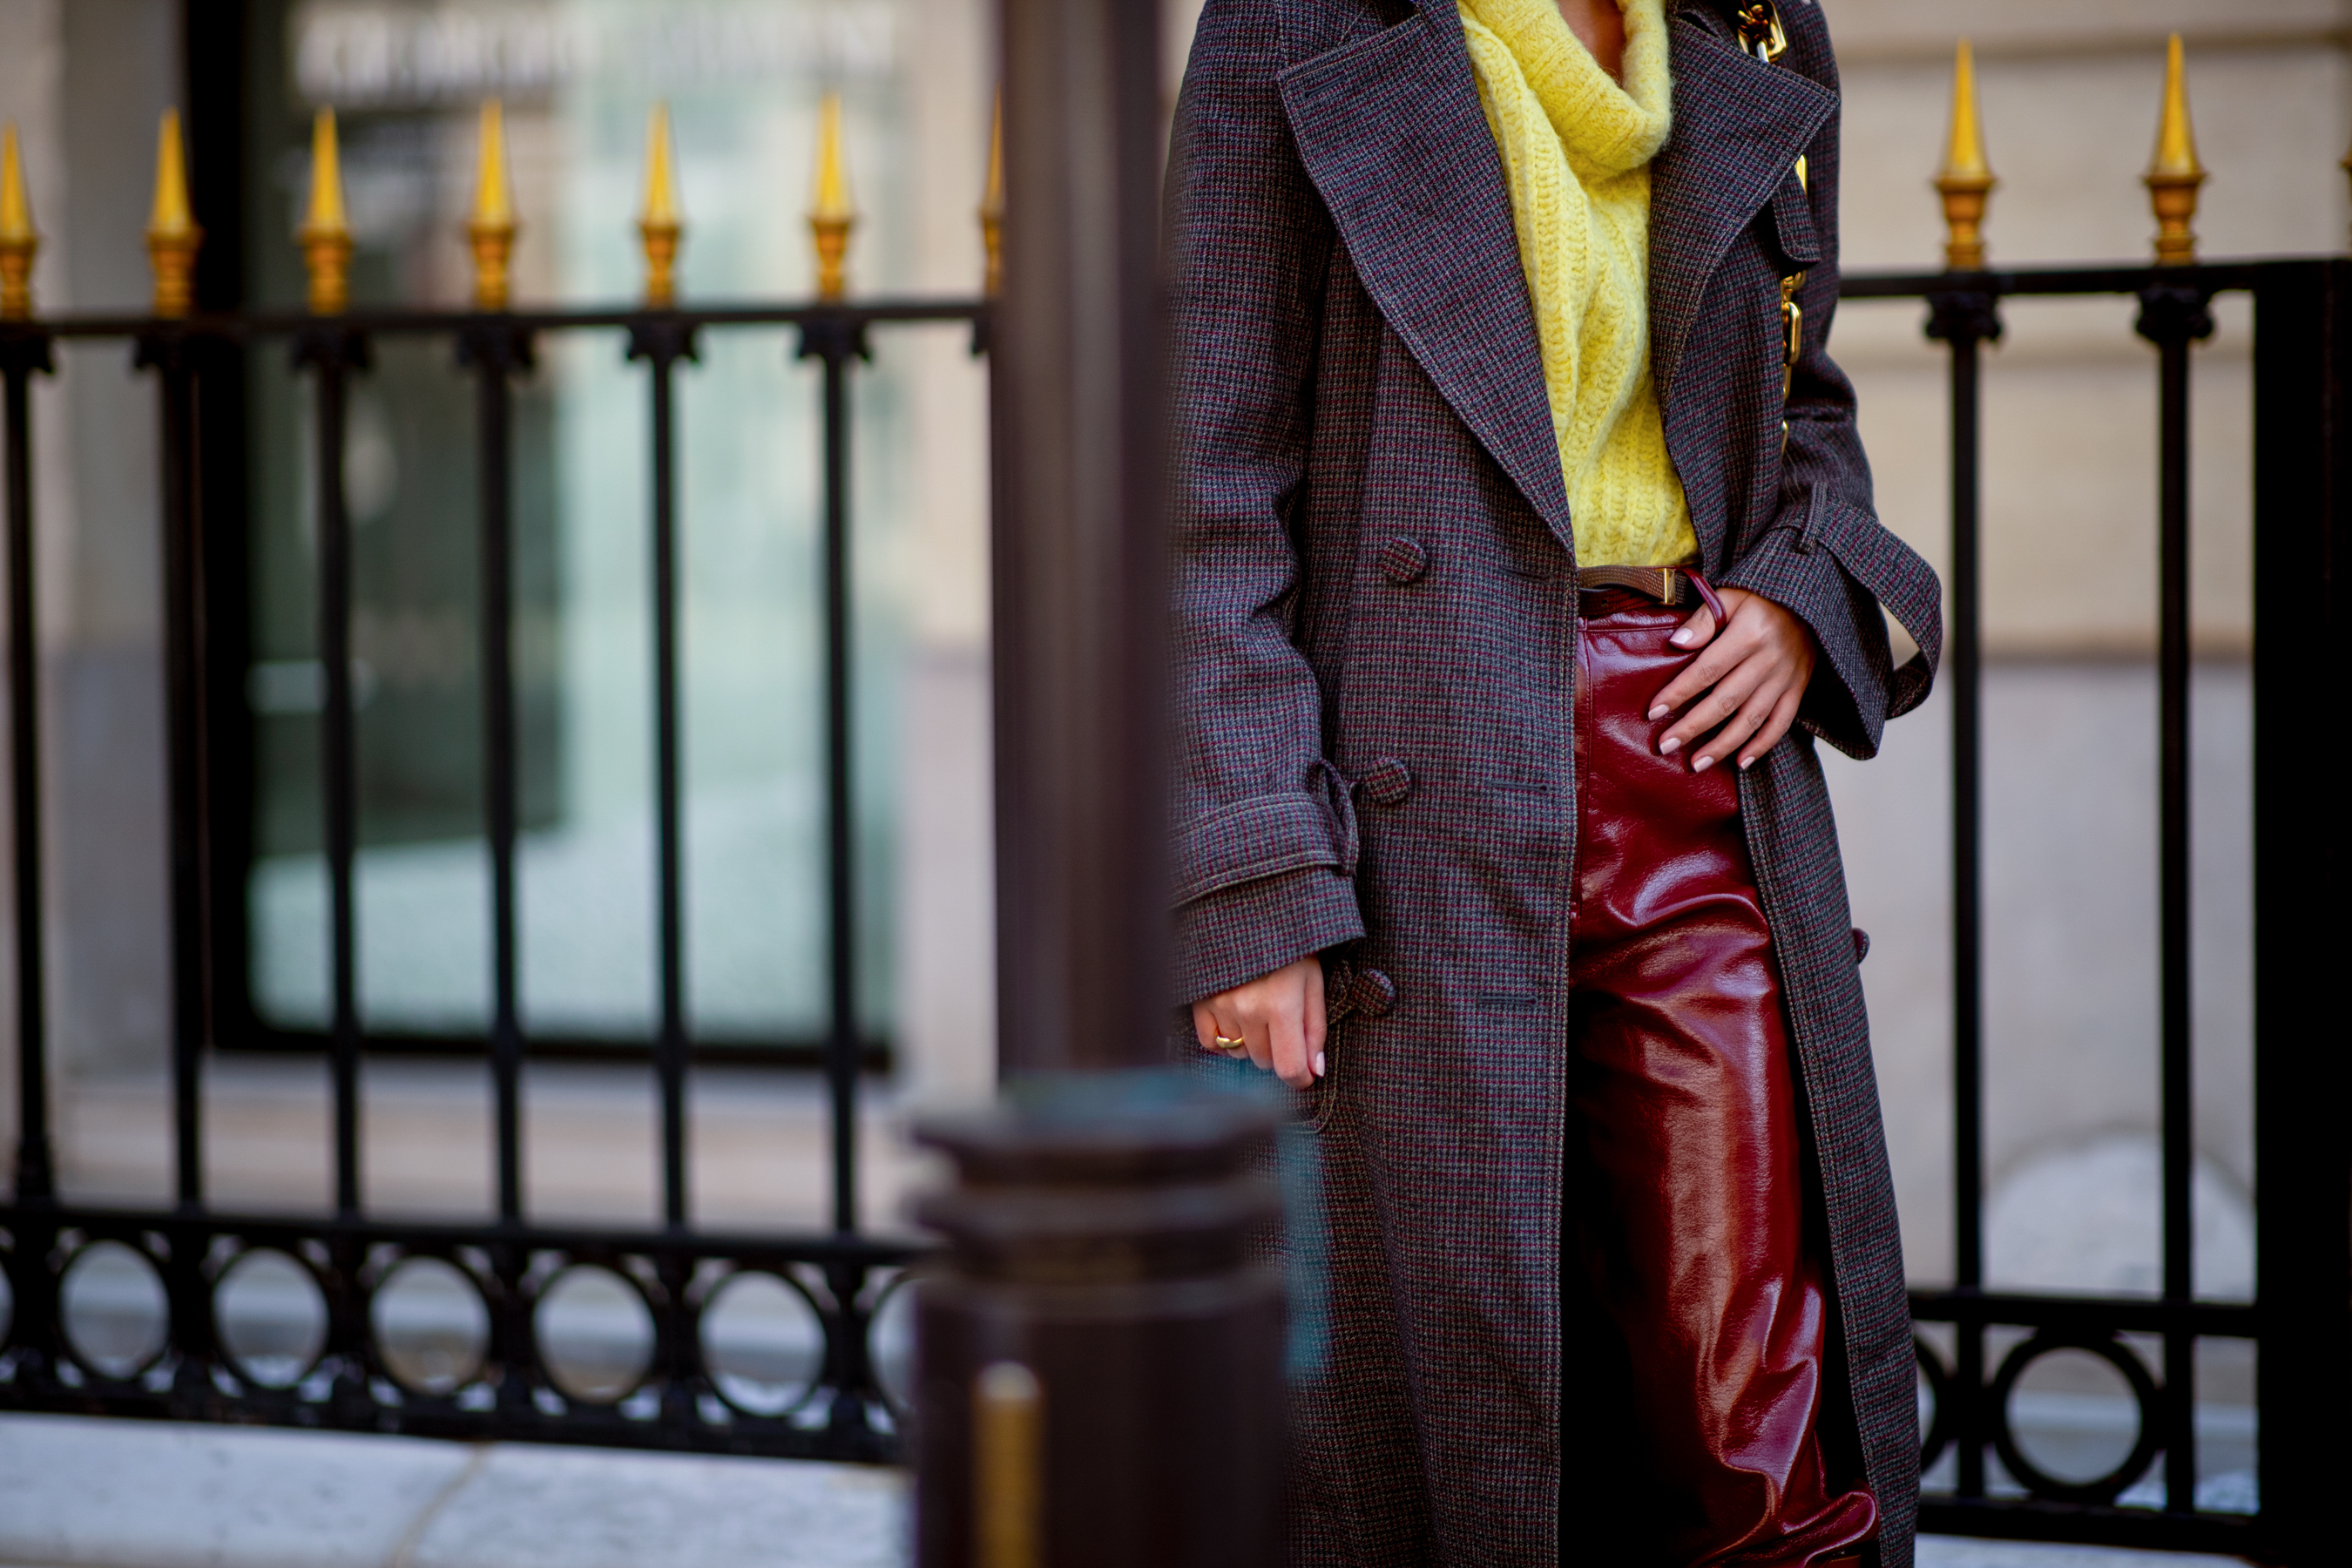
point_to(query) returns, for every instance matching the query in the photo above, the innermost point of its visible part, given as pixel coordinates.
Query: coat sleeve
(1265, 833)
(1826, 556)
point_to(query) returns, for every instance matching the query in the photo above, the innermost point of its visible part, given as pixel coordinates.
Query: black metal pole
(841, 914)
(2173, 318)
(215, 80)
(1966, 321)
(1100, 1382)
(2179, 1106)
(836, 341)
(333, 353)
(494, 411)
(1080, 619)
(2303, 854)
(171, 355)
(22, 354)
(662, 344)
(1967, 915)
(35, 1325)
(497, 352)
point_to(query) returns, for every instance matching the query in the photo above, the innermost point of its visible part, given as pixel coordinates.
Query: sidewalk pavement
(84, 1492)
(79, 1493)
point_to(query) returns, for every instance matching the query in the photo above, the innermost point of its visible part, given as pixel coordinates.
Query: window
(576, 79)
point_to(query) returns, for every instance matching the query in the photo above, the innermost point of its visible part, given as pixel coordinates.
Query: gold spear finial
(2174, 175)
(659, 227)
(18, 241)
(492, 228)
(830, 216)
(1966, 180)
(172, 237)
(991, 202)
(326, 234)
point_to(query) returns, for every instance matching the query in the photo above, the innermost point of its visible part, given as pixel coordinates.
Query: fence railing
(2300, 1320)
(508, 1270)
(439, 1329)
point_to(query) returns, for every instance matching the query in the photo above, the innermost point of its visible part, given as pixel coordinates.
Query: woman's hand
(1281, 1016)
(1759, 670)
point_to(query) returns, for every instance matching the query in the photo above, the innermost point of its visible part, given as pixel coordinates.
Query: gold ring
(1231, 1043)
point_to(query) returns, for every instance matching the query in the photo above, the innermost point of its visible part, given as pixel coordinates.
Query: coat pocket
(1311, 1107)
(1351, 994)
(1355, 994)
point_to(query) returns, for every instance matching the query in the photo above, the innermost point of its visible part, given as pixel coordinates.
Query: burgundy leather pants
(1697, 1321)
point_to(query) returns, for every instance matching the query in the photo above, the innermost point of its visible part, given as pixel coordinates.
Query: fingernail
(1681, 638)
(1659, 711)
(1747, 762)
(1702, 764)
(1669, 746)
(1318, 1064)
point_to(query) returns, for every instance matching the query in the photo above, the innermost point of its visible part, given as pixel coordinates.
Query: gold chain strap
(1761, 34)
(1759, 31)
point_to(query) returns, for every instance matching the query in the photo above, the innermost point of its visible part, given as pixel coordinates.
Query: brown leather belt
(1669, 585)
(1666, 584)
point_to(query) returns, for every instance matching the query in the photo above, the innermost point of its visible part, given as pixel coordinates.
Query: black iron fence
(473, 1359)
(2300, 1321)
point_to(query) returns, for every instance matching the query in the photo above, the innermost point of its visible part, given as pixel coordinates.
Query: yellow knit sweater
(1576, 151)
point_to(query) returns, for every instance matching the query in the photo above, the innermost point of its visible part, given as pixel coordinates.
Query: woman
(1525, 548)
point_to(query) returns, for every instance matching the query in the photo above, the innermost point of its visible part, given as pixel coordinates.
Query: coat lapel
(1739, 127)
(1390, 128)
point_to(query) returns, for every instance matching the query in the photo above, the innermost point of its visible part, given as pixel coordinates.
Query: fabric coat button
(1860, 944)
(1373, 992)
(1402, 561)
(1388, 783)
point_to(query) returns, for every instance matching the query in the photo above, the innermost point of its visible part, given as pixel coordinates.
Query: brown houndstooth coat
(1375, 631)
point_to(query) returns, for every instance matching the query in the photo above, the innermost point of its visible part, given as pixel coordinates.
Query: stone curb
(84, 1492)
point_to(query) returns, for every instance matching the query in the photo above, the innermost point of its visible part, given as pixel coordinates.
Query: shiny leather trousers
(1696, 1318)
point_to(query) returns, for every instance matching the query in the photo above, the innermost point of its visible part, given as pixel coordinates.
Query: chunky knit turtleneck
(1576, 152)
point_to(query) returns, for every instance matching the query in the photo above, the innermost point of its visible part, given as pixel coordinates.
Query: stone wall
(2069, 95)
(86, 82)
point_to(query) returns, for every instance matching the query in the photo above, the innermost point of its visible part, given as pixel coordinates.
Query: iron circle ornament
(1938, 1434)
(429, 1320)
(2146, 1445)
(738, 1344)
(114, 1307)
(889, 1330)
(270, 1315)
(596, 1332)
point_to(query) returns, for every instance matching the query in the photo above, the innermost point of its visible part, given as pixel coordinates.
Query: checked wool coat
(1375, 635)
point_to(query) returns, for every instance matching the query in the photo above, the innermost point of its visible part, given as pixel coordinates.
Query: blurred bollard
(1099, 1363)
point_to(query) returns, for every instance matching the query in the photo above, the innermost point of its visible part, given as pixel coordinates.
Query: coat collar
(1739, 128)
(1389, 130)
